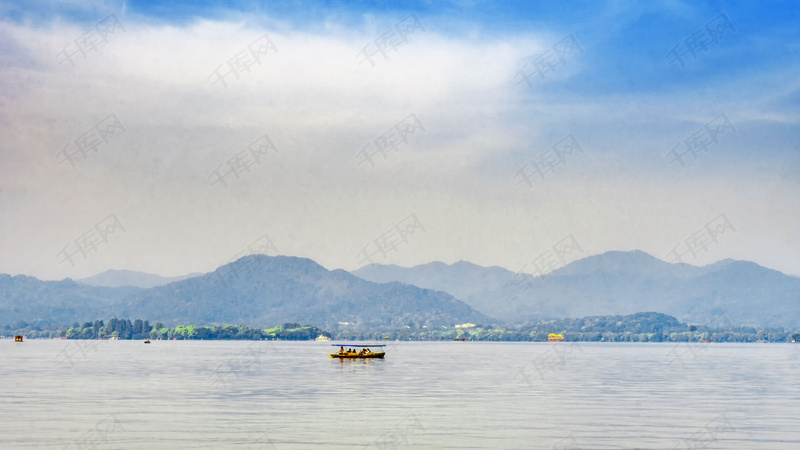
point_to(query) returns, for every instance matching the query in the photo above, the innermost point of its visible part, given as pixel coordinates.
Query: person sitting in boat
(341, 350)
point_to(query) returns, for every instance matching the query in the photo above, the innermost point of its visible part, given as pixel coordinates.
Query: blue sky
(457, 75)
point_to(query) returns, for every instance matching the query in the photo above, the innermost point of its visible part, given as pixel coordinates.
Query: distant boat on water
(322, 338)
(552, 337)
(147, 341)
(18, 338)
(352, 353)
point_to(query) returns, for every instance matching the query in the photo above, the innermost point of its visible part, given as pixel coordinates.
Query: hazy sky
(172, 138)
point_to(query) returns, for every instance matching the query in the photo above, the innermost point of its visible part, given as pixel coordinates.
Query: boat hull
(372, 356)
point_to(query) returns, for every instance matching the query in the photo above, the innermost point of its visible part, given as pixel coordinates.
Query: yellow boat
(365, 353)
(555, 337)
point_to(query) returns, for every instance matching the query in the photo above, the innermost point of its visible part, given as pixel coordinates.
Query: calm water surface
(215, 394)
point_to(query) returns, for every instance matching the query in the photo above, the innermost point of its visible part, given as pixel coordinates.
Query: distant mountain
(255, 290)
(263, 291)
(60, 302)
(483, 288)
(463, 280)
(616, 283)
(117, 278)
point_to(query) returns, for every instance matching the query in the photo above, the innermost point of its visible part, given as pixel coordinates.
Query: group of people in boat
(352, 351)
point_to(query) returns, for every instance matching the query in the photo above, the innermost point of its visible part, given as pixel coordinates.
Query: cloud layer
(447, 100)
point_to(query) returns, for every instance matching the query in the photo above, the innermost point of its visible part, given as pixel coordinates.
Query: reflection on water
(212, 394)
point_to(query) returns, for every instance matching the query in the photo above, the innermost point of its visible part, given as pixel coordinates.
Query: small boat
(552, 337)
(17, 338)
(365, 352)
(322, 337)
(147, 341)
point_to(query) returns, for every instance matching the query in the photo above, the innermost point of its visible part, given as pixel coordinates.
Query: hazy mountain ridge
(254, 290)
(258, 290)
(461, 279)
(618, 283)
(119, 278)
(28, 298)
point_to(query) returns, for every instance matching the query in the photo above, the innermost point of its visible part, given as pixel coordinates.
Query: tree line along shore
(126, 329)
(640, 327)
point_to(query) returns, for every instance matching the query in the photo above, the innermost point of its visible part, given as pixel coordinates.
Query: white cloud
(321, 107)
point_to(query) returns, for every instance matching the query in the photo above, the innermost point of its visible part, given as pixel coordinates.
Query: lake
(273, 395)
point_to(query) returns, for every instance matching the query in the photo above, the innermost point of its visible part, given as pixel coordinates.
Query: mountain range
(260, 290)
(255, 290)
(118, 278)
(728, 292)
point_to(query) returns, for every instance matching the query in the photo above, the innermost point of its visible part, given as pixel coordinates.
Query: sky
(174, 138)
